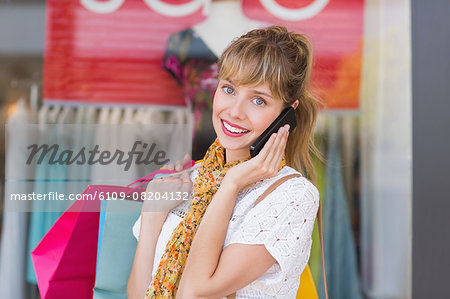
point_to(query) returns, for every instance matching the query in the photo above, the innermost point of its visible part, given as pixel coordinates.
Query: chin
(227, 143)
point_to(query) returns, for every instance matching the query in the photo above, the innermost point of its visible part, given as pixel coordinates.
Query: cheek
(260, 124)
(218, 105)
(216, 110)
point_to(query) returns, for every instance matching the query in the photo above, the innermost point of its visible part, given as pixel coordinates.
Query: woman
(256, 251)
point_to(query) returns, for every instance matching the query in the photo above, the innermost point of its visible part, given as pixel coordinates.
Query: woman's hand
(178, 166)
(165, 193)
(263, 166)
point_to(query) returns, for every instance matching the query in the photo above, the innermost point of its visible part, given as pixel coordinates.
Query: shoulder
(297, 187)
(294, 200)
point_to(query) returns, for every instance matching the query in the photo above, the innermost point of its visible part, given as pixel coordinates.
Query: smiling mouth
(232, 129)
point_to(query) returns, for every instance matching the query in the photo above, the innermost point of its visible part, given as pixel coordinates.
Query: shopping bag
(117, 246)
(307, 289)
(64, 260)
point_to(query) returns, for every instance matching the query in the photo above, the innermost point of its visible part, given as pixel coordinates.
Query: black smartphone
(287, 116)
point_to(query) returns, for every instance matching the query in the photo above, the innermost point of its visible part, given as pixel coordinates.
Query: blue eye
(259, 101)
(228, 89)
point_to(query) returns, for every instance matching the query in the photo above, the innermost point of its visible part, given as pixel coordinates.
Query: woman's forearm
(208, 242)
(141, 271)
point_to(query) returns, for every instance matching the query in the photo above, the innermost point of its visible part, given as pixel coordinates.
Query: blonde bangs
(252, 64)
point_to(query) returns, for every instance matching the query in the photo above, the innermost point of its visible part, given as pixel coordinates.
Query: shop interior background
(371, 150)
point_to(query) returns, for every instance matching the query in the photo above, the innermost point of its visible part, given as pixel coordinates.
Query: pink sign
(112, 51)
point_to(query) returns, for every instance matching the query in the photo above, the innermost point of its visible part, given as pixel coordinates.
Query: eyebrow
(254, 90)
(262, 93)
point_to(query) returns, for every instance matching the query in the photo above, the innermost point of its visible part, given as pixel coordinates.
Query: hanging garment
(101, 139)
(59, 173)
(14, 225)
(77, 177)
(152, 129)
(340, 254)
(179, 141)
(37, 227)
(193, 65)
(112, 141)
(80, 175)
(127, 135)
(49, 178)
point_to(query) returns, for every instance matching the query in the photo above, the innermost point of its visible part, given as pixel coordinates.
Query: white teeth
(233, 129)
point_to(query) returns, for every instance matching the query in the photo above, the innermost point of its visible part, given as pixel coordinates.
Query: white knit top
(283, 222)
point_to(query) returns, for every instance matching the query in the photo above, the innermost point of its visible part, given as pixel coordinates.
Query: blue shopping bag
(116, 248)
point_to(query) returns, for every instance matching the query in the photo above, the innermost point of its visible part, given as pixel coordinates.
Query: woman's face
(241, 114)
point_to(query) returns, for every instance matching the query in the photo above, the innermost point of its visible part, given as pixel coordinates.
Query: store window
(131, 55)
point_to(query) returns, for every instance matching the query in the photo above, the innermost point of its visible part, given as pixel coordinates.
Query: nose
(237, 109)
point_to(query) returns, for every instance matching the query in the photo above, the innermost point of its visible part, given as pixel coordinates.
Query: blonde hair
(283, 59)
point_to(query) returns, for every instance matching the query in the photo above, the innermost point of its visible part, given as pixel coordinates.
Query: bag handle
(151, 175)
(319, 223)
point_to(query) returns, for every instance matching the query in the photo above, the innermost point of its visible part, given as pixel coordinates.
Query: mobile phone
(287, 116)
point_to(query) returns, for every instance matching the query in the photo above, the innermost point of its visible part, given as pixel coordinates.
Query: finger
(274, 145)
(264, 151)
(187, 159)
(179, 165)
(274, 153)
(280, 150)
(283, 141)
(170, 166)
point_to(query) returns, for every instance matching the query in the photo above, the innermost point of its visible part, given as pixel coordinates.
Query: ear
(295, 104)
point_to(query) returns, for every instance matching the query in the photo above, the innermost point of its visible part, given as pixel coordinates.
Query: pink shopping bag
(65, 259)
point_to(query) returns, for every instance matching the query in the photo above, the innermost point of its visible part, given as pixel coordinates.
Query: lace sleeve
(283, 222)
